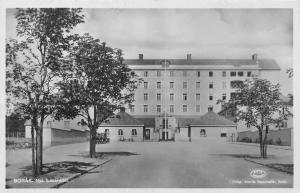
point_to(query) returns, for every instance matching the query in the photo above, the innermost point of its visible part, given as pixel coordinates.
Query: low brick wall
(275, 137)
(59, 136)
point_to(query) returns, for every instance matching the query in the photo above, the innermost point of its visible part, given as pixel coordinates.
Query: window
(224, 73)
(158, 96)
(106, 131)
(240, 74)
(202, 133)
(49, 124)
(184, 84)
(223, 134)
(67, 124)
(211, 97)
(145, 73)
(197, 84)
(224, 96)
(132, 108)
(158, 73)
(158, 85)
(198, 96)
(145, 96)
(210, 108)
(197, 108)
(211, 74)
(165, 123)
(171, 97)
(172, 73)
(171, 84)
(224, 85)
(120, 132)
(184, 73)
(133, 132)
(145, 85)
(198, 74)
(249, 74)
(158, 108)
(211, 85)
(145, 108)
(171, 108)
(232, 74)
(184, 96)
(184, 108)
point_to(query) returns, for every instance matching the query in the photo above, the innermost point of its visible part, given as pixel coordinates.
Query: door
(147, 134)
(165, 135)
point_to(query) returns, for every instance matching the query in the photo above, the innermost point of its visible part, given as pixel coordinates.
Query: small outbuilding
(212, 126)
(122, 127)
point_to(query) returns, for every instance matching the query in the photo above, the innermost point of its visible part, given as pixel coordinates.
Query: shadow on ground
(64, 166)
(270, 161)
(288, 168)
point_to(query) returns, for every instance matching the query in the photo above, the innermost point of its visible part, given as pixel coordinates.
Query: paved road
(181, 165)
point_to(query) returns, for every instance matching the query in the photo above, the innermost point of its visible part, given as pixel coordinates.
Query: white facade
(191, 87)
(118, 133)
(219, 133)
(53, 128)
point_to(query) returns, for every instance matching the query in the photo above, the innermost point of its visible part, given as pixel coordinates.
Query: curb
(80, 174)
(268, 166)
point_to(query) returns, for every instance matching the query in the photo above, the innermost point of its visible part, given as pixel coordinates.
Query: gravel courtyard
(197, 164)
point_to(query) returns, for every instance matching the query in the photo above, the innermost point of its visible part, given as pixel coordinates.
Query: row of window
(185, 85)
(184, 96)
(171, 108)
(198, 73)
(121, 133)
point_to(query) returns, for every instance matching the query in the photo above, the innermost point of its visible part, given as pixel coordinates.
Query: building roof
(148, 122)
(121, 118)
(265, 64)
(212, 118)
(184, 121)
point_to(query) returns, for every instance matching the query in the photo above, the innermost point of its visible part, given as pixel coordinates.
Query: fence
(275, 137)
(17, 134)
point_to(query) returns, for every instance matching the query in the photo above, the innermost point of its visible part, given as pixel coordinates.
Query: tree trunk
(92, 142)
(261, 147)
(265, 142)
(39, 150)
(40, 147)
(33, 151)
(93, 134)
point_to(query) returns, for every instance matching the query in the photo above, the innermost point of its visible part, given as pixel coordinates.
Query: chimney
(189, 57)
(141, 57)
(122, 109)
(254, 57)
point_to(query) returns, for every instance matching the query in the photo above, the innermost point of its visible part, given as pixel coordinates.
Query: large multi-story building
(178, 98)
(182, 87)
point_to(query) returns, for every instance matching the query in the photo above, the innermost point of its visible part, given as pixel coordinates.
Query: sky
(204, 33)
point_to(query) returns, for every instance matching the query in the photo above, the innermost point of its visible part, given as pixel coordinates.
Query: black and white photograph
(159, 97)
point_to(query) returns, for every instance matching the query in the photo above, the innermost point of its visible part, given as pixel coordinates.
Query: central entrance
(165, 125)
(165, 135)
